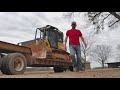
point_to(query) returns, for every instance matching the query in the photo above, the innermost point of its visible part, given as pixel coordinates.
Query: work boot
(83, 69)
(78, 70)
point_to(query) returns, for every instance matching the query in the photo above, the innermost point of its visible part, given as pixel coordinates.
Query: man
(74, 46)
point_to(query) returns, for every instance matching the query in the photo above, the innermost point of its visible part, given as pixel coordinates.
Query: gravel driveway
(93, 73)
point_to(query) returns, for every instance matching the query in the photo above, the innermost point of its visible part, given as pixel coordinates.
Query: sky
(17, 27)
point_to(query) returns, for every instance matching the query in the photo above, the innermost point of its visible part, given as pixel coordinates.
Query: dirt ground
(93, 73)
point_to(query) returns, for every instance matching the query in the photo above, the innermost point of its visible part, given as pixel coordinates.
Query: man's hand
(85, 45)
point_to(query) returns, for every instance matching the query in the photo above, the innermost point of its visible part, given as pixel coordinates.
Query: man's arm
(83, 41)
(66, 42)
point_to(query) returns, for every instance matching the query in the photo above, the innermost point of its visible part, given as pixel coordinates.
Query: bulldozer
(45, 50)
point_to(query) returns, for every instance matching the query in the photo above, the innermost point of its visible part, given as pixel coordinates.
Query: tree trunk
(85, 59)
(103, 64)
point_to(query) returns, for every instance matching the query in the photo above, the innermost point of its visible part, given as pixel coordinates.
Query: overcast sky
(20, 26)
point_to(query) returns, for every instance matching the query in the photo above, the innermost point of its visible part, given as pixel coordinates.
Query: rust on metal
(58, 54)
(41, 55)
(50, 62)
(29, 59)
(11, 48)
(38, 49)
(37, 53)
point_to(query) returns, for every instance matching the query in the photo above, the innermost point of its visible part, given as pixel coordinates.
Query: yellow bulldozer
(45, 50)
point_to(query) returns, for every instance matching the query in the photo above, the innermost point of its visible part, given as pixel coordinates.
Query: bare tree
(101, 53)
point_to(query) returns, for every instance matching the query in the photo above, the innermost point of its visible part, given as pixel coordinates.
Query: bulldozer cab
(51, 35)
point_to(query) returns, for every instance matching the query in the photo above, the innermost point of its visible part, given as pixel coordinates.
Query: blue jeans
(76, 50)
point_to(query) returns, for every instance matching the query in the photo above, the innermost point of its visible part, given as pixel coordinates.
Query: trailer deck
(6, 47)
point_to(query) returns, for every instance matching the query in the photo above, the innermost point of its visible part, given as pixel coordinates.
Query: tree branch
(113, 23)
(105, 18)
(115, 14)
(93, 17)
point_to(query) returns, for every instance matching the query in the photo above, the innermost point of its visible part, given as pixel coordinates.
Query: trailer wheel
(15, 64)
(3, 64)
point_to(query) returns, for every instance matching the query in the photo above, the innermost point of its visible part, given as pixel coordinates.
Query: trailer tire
(3, 64)
(15, 64)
